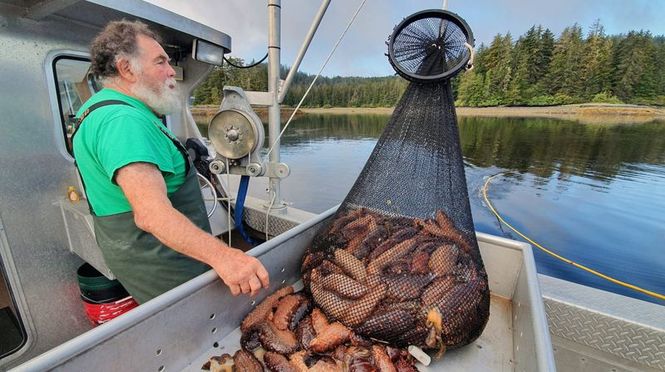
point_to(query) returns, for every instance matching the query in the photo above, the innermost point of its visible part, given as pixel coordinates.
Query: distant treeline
(536, 70)
(326, 92)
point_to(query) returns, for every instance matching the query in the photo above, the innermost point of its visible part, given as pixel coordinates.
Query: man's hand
(241, 273)
(144, 187)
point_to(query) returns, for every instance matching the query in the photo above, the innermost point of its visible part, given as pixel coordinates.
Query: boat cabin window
(12, 331)
(74, 84)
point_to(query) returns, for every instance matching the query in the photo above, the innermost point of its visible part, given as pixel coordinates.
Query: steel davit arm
(303, 49)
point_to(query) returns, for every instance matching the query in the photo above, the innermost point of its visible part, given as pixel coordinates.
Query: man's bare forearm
(145, 189)
(176, 231)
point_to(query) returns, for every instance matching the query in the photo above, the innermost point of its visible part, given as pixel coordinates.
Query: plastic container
(96, 288)
(100, 313)
(103, 299)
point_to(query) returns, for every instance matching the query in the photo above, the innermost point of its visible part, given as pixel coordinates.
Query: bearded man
(149, 217)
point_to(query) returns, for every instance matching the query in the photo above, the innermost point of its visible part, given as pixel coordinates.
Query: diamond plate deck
(616, 336)
(627, 328)
(280, 220)
(257, 221)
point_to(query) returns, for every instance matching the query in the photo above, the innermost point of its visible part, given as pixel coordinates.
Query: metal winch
(237, 135)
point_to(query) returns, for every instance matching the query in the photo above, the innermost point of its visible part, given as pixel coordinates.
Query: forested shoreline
(536, 69)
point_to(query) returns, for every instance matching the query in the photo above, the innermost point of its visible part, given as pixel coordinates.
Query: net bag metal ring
(430, 45)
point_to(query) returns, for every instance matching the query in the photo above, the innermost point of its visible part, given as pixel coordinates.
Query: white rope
(317, 75)
(268, 213)
(215, 199)
(228, 210)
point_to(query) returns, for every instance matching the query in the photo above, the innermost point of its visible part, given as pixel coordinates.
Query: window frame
(19, 319)
(18, 301)
(58, 97)
(59, 126)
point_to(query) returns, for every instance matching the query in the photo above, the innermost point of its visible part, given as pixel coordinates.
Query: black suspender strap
(99, 104)
(109, 102)
(79, 121)
(92, 108)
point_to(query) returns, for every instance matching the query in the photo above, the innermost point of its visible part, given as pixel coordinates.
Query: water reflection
(593, 193)
(545, 146)
(536, 145)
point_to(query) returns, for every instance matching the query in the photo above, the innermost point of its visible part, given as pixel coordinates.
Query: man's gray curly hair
(117, 40)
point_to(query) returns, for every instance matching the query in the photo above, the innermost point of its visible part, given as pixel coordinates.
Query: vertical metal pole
(274, 28)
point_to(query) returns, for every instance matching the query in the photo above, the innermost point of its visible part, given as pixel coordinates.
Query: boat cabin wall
(35, 172)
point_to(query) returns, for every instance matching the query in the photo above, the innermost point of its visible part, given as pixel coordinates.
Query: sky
(361, 52)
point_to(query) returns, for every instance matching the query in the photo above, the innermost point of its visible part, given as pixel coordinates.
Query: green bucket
(96, 288)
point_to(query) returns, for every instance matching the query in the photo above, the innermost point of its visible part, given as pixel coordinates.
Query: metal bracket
(217, 166)
(254, 169)
(277, 170)
(259, 98)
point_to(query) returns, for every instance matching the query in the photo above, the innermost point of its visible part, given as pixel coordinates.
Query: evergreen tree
(659, 69)
(564, 76)
(498, 64)
(525, 55)
(544, 59)
(634, 75)
(471, 89)
(596, 63)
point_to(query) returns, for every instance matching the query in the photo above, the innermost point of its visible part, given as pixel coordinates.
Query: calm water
(594, 194)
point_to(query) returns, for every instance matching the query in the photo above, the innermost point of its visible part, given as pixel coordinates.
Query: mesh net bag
(399, 261)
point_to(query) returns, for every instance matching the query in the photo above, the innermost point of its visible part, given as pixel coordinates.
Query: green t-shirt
(114, 136)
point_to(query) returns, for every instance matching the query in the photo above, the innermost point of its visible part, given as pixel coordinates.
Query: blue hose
(240, 207)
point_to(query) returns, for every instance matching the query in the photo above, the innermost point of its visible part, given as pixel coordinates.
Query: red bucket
(100, 313)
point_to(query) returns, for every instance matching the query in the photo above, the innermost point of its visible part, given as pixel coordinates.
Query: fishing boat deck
(182, 328)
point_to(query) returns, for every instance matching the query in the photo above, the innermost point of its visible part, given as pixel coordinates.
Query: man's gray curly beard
(164, 102)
